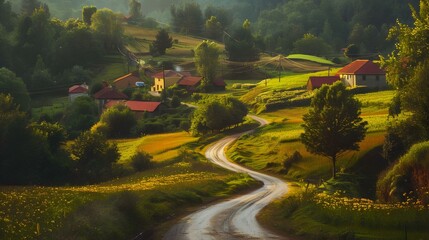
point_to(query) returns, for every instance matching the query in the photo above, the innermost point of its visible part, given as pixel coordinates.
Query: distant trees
(207, 62)
(333, 124)
(135, 12)
(213, 28)
(187, 19)
(162, 41)
(80, 116)
(311, 45)
(13, 85)
(217, 114)
(241, 46)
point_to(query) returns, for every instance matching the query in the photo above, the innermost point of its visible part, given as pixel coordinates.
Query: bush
(175, 102)
(294, 158)
(407, 179)
(141, 161)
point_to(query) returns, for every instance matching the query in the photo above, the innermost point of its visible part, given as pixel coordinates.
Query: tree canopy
(162, 41)
(206, 57)
(333, 124)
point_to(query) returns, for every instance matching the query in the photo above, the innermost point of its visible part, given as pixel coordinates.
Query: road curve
(235, 218)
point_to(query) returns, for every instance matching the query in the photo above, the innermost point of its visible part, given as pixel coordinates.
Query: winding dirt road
(235, 218)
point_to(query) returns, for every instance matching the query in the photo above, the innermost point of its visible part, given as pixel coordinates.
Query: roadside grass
(38, 212)
(310, 58)
(313, 215)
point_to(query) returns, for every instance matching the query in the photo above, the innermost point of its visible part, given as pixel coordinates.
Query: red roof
(78, 89)
(219, 83)
(109, 93)
(189, 81)
(362, 67)
(136, 106)
(317, 82)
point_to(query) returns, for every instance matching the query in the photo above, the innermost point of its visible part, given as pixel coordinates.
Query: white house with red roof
(363, 73)
(76, 91)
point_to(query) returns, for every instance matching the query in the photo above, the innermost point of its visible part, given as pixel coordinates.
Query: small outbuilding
(107, 94)
(315, 82)
(76, 91)
(127, 81)
(138, 107)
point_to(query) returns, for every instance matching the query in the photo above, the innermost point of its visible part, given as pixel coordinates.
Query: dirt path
(235, 218)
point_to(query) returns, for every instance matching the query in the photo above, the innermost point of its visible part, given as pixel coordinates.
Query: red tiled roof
(135, 106)
(167, 73)
(109, 93)
(317, 82)
(189, 81)
(362, 67)
(78, 89)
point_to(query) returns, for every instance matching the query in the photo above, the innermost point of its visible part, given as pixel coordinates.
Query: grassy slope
(310, 58)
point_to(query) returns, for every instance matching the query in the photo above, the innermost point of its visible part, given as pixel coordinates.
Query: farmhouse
(76, 91)
(138, 107)
(127, 81)
(106, 94)
(168, 78)
(315, 82)
(363, 73)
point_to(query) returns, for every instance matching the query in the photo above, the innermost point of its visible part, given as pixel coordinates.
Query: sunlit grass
(310, 58)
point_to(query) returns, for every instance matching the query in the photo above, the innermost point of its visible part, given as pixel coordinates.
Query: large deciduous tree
(119, 121)
(135, 10)
(87, 12)
(207, 61)
(333, 124)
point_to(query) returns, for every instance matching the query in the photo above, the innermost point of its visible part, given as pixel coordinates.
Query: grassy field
(28, 212)
(161, 146)
(310, 58)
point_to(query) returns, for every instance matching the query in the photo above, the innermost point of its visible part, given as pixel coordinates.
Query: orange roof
(129, 77)
(189, 81)
(317, 82)
(136, 106)
(78, 89)
(362, 67)
(109, 93)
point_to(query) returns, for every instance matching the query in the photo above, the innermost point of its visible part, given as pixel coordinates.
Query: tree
(87, 12)
(7, 16)
(141, 161)
(241, 46)
(206, 57)
(80, 115)
(108, 27)
(119, 121)
(135, 10)
(41, 76)
(11, 84)
(408, 65)
(94, 157)
(352, 51)
(162, 41)
(333, 124)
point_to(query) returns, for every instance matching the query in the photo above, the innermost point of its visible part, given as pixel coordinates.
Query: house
(363, 73)
(315, 82)
(168, 78)
(127, 81)
(219, 84)
(138, 107)
(76, 91)
(106, 94)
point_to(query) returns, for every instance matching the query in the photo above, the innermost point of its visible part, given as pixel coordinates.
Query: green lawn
(310, 58)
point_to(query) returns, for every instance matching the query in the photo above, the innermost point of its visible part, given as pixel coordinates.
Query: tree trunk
(334, 170)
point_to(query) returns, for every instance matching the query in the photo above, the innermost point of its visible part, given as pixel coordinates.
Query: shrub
(407, 179)
(141, 161)
(175, 102)
(294, 158)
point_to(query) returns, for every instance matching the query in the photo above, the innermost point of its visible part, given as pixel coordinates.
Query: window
(377, 78)
(363, 77)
